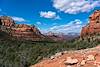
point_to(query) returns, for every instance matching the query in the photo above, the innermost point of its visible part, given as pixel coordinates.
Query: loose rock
(69, 66)
(90, 58)
(71, 61)
(52, 57)
(58, 54)
(83, 62)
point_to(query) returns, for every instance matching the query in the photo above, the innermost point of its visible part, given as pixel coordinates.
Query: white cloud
(73, 26)
(19, 19)
(39, 23)
(75, 6)
(75, 22)
(49, 14)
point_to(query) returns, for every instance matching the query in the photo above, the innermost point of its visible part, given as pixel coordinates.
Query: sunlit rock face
(6, 21)
(93, 28)
(27, 32)
(21, 31)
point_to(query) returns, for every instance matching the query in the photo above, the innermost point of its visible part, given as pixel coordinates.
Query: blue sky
(64, 16)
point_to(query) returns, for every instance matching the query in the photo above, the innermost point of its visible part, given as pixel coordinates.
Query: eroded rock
(71, 61)
(20, 31)
(93, 28)
(58, 54)
(83, 62)
(90, 58)
(52, 57)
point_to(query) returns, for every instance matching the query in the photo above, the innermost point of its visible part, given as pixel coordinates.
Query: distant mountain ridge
(61, 36)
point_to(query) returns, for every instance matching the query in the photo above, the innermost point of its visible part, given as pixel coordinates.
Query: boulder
(69, 66)
(71, 61)
(83, 62)
(90, 58)
(58, 54)
(52, 57)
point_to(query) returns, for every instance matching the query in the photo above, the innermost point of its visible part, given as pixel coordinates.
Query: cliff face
(21, 31)
(6, 21)
(93, 28)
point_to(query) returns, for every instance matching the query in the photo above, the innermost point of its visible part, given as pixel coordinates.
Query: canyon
(89, 57)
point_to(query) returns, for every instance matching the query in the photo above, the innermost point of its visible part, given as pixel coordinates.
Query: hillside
(79, 58)
(89, 37)
(16, 53)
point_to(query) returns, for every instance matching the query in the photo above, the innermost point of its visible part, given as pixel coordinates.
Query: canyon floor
(79, 58)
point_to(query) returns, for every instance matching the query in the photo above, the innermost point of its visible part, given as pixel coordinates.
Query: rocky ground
(80, 58)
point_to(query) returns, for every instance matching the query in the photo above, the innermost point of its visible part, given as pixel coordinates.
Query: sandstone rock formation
(83, 62)
(93, 28)
(71, 61)
(6, 21)
(90, 57)
(21, 31)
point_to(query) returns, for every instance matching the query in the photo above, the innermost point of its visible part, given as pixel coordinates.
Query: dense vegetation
(15, 53)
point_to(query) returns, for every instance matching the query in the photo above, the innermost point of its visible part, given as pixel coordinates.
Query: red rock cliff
(21, 31)
(93, 27)
(6, 21)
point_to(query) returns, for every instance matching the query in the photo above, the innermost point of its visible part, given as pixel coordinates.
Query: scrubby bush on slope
(14, 53)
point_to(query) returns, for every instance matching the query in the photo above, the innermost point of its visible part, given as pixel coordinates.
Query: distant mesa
(22, 31)
(59, 36)
(93, 27)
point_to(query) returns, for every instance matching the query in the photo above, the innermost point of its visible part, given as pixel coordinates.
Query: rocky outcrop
(6, 21)
(21, 31)
(93, 27)
(27, 32)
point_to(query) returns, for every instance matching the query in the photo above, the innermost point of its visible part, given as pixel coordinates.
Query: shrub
(14, 53)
